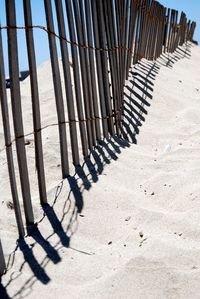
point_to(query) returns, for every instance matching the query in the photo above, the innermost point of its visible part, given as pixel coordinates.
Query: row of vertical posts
(106, 38)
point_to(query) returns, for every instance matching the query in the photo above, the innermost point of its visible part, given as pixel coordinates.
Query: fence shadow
(3, 292)
(138, 94)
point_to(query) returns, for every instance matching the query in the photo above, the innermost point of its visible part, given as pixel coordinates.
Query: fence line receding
(99, 42)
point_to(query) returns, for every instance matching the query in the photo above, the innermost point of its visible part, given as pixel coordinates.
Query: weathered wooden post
(75, 35)
(68, 84)
(133, 16)
(104, 64)
(89, 111)
(17, 110)
(58, 91)
(35, 102)
(112, 55)
(91, 55)
(99, 69)
(85, 130)
(8, 143)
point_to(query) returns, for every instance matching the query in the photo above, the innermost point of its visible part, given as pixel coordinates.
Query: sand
(129, 228)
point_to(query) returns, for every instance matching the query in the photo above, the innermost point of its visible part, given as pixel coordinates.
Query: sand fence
(98, 42)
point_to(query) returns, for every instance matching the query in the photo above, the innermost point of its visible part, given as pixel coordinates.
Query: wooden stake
(17, 111)
(8, 143)
(35, 103)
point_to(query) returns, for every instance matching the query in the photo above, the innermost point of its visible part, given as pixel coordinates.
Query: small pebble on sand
(141, 234)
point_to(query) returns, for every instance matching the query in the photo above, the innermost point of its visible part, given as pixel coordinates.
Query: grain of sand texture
(130, 226)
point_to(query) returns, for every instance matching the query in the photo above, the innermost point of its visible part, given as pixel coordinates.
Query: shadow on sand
(138, 94)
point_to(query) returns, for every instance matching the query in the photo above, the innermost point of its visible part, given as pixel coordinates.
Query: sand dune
(130, 226)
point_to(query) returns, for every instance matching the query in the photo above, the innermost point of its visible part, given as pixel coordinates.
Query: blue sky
(190, 7)
(40, 37)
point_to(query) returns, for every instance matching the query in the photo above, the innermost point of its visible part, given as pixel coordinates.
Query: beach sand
(126, 225)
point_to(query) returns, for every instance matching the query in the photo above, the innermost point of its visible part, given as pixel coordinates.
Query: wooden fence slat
(118, 13)
(8, 143)
(156, 32)
(76, 74)
(85, 82)
(166, 29)
(174, 30)
(125, 33)
(188, 30)
(135, 57)
(162, 44)
(76, 20)
(110, 13)
(126, 36)
(177, 33)
(79, 7)
(160, 36)
(141, 30)
(171, 31)
(92, 67)
(114, 71)
(193, 26)
(115, 23)
(68, 83)
(57, 90)
(131, 35)
(182, 28)
(35, 102)
(115, 10)
(148, 36)
(17, 111)
(151, 32)
(104, 63)
(99, 70)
